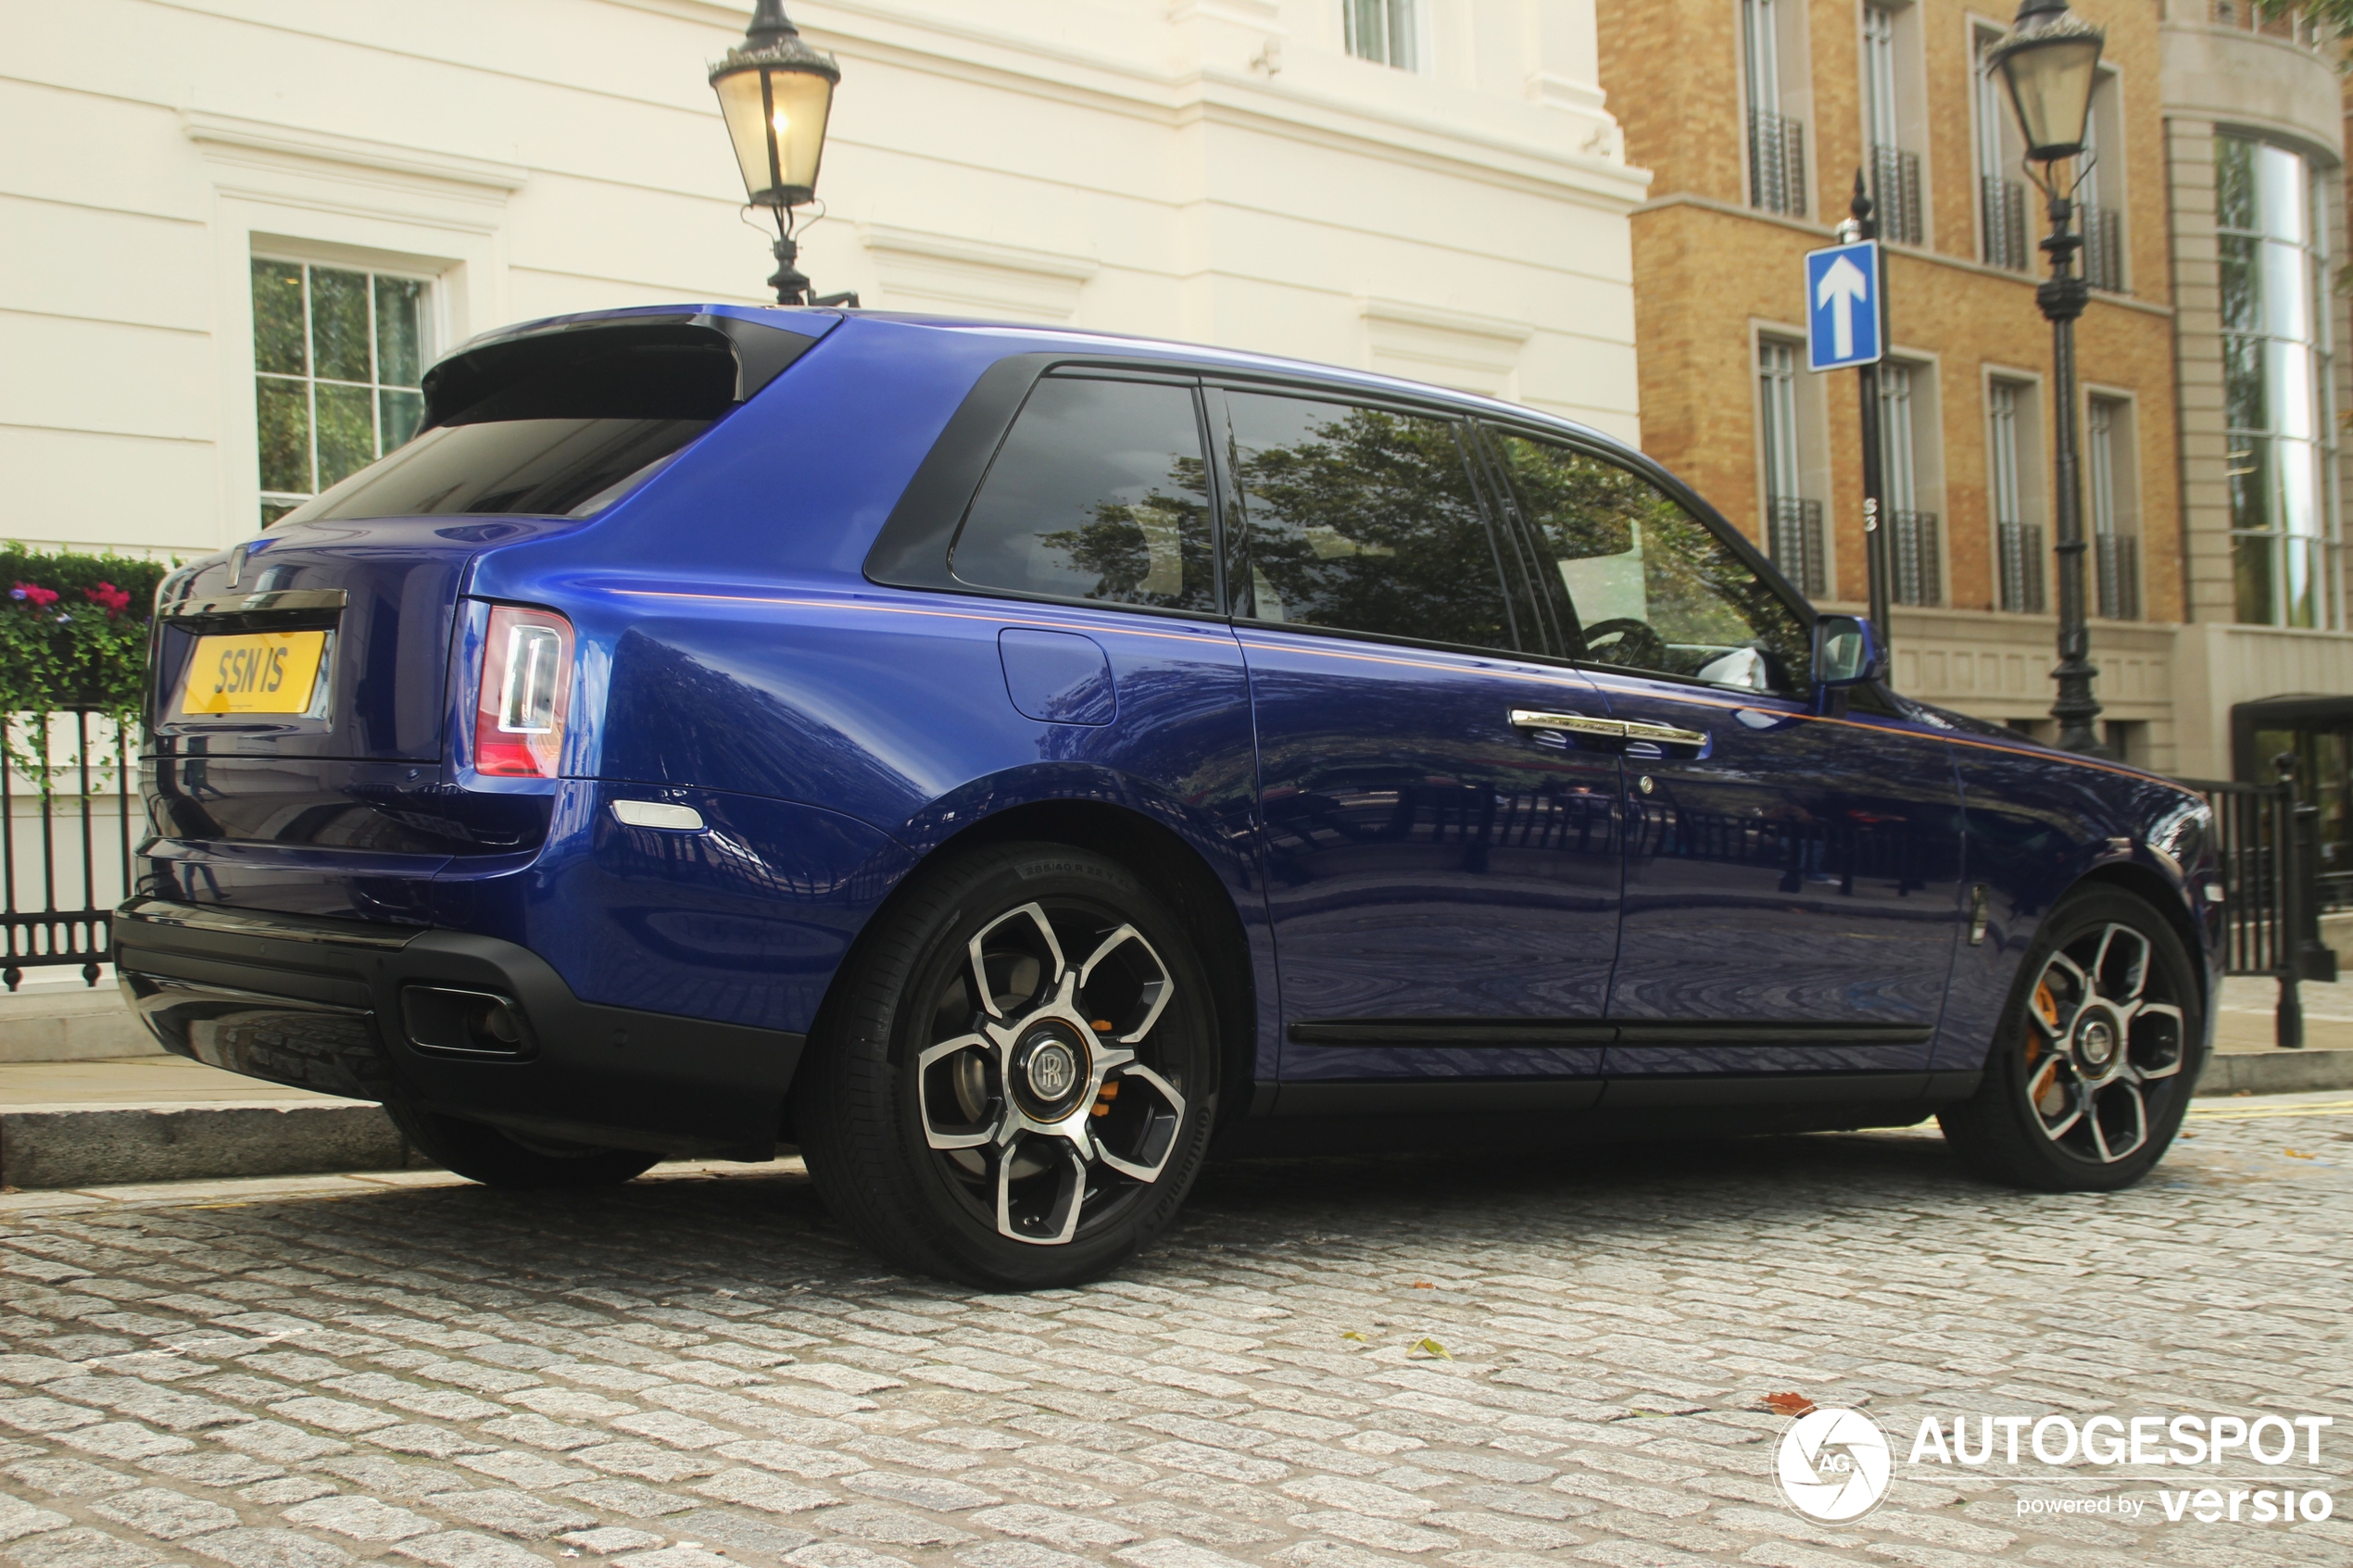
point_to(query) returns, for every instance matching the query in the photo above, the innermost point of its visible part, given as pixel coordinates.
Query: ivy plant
(73, 636)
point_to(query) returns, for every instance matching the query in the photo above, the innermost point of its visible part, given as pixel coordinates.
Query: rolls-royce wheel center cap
(2095, 1041)
(1049, 1068)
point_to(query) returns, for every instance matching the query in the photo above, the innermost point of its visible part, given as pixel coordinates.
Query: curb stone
(88, 1146)
(68, 1146)
(2275, 1073)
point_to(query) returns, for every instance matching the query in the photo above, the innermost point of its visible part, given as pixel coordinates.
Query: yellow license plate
(254, 672)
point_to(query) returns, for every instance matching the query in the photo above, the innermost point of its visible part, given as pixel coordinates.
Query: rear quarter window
(1101, 493)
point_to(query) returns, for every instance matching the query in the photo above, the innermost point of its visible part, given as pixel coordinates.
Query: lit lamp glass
(776, 94)
(2050, 62)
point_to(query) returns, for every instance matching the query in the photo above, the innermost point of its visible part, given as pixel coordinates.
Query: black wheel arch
(1165, 862)
(2145, 887)
(2150, 888)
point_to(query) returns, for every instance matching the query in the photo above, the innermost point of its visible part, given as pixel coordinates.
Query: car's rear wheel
(2092, 1069)
(484, 1154)
(1017, 1074)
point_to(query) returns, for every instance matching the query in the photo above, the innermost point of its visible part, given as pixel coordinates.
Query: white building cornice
(274, 142)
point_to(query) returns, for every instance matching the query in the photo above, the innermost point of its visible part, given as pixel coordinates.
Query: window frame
(1219, 608)
(432, 325)
(2029, 478)
(1806, 446)
(2105, 185)
(1236, 550)
(912, 547)
(1996, 152)
(917, 539)
(2325, 543)
(1897, 108)
(1787, 79)
(1548, 584)
(1417, 30)
(2119, 408)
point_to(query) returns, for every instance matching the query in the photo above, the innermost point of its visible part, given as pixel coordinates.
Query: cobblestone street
(1335, 1364)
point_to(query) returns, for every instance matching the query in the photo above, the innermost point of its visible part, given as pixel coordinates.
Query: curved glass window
(2270, 210)
(1652, 587)
(1099, 493)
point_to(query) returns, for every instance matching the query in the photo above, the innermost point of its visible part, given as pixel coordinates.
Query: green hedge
(73, 630)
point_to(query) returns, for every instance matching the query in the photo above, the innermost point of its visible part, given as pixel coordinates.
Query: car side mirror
(1846, 652)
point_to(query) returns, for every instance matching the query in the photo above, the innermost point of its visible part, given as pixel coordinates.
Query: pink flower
(115, 601)
(37, 597)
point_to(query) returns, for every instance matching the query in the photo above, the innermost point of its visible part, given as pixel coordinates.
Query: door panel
(1427, 860)
(1791, 886)
(1792, 889)
(1442, 883)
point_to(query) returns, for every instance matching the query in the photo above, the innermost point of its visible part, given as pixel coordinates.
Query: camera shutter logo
(1834, 1464)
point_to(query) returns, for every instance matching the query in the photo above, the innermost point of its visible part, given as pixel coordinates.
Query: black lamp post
(2049, 61)
(778, 95)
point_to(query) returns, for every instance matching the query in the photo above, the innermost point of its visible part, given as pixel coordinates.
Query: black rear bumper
(320, 1004)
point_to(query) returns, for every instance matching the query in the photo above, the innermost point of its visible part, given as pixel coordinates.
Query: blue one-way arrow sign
(1842, 307)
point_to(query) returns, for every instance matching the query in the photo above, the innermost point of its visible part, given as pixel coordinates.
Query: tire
(2098, 1050)
(481, 1153)
(1006, 1124)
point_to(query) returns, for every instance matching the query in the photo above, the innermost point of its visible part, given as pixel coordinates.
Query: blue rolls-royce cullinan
(1006, 763)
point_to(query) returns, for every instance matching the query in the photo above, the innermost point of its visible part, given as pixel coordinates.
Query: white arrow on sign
(1843, 288)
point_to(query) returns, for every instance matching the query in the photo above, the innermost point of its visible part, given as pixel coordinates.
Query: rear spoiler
(762, 352)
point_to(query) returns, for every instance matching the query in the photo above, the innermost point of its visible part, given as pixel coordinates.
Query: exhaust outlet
(452, 1021)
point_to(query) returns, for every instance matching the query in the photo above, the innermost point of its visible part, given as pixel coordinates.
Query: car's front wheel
(1017, 1076)
(2092, 1069)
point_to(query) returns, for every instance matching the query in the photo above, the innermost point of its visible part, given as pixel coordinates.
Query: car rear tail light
(526, 681)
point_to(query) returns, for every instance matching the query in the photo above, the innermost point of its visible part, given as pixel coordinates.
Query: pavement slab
(1337, 1363)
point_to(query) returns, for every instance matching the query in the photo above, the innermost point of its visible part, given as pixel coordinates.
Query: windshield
(564, 440)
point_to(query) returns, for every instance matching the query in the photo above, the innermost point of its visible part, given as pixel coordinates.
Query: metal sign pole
(1877, 526)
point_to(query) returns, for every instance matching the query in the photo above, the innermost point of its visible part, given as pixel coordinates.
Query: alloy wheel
(2105, 1037)
(1048, 1091)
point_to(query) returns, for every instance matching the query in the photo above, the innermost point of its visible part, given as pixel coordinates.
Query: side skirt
(1522, 1115)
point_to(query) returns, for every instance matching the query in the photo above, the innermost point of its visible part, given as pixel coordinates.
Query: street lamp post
(2049, 61)
(777, 95)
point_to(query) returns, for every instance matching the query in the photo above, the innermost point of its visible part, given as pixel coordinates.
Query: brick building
(1756, 115)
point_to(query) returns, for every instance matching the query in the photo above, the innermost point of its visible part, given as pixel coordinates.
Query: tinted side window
(1362, 519)
(1099, 493)
(1652, 587)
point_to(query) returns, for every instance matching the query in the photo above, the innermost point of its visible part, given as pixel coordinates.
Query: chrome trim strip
(280, 600)
(1451, 1032)
(1571, 723)
(1663, 734)
(1548, 1032)
(267, 923)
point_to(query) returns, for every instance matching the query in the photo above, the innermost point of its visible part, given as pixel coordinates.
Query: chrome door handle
(1663, 734)
(1569, 723)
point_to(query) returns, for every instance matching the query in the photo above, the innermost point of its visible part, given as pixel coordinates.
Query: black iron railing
(2021, 567)
(67, 795)
(1795, 539)
(2103, 247)
(2272, 893)
(1919, 578)
(1895, 195)
(2004, 204)
(1776, 163)
(2117, 564)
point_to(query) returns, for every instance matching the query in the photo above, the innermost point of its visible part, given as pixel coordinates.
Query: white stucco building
(1453, 207)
